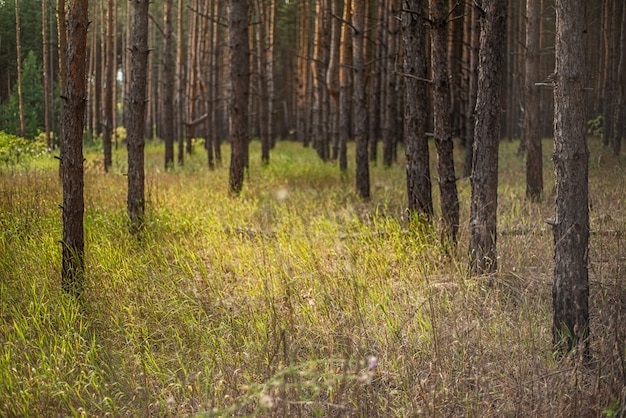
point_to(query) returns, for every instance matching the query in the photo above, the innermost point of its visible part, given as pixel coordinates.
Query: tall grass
(296, 298)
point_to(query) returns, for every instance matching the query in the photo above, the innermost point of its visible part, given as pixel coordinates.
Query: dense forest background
(294, 74)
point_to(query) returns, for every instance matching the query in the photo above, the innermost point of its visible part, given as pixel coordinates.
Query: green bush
(15, 150)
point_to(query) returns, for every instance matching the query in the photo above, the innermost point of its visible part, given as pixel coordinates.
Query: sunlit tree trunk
(570, 288)
(317, 70)
(74, 104)
(240, 79)
(484, 179)
(302, 111)
(442, 128)
(137, 113)
(344, 85)
(416, 143)
(532, 130)
(18, 46)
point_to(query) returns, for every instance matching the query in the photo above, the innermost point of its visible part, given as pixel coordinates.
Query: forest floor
(298, 299)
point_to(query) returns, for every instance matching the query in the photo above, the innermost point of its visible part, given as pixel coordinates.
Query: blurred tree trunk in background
(472, 88)
(419, 187)
(240, 79)
(137, 113)
(332, 79)
(46, 77)
(18, 47)
(442, 128)
(391, 131)
(302, 58)
(344, 86)
(531, 131)
(109, 87)
(360, 106)
(74, 104)
(484, 178)
(180, 81)
(619, 118)
(570, 288)
(168, 85)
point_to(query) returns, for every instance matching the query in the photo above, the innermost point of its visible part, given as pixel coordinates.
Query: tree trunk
(109, 83)
(240, 78)
(332, 79)
(619, 120)
(416, 143)
(390, 140)
(137, 113)
(532, 130)
(46, 79)
(470, 118)
(344, 86)
(360, 108)
(180, 84)
(442, 129)
(261, 46)
(74, 103)
(570, 288)
(18, 46)
(484, 179)
(374, 100)
(168, 85)
(303, 74)
(317, 70)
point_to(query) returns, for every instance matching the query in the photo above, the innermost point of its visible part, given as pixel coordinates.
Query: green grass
(274, 302)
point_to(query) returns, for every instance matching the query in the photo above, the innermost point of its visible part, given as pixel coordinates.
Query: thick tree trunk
(442, 128)
(484, 179)
(360, 108)
(532, 130)
(240, 78)
(570, 289)
(74, 104)
(137, 113)
(419, 186)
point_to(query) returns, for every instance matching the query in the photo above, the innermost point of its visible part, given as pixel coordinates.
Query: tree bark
(332, 79)
(46, 79)
(109, 83)
(240, 78)
(137, 114)
(74, 104)
(442, 128)
(532, 130)
(168, 85)
(18, 47)
(344, 86)
(619, 120)
(570, 288)
(390, 140)
(360, 108)
(484, 179)
(180, 84)
(419, 186)
(470, 118)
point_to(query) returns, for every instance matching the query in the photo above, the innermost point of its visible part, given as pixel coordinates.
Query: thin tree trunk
(344, 85)
(442, 128)
(180, 83)
(317, 69)
(360, 107)
(472, 92)
(168, 85)
(484, 179)
(18, 46)
(137, 113)
(303, 74)
(46, 80)
(332, 79)
(419, 188)
(271, 36)
(391, 114)
(74, 103)
(109, 82)
(374, 101)
(240, 78)
(262, 70)
(619, 120)
(532, 130)
(570, 288)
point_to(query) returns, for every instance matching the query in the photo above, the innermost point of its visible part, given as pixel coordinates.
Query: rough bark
(240, 78)
(137, 113)
(531, 129)
(74, 104)
(360, 109)
(419, 188)
(570, 288)
(442, 128)
(168, 84)
(332, 79)
(484, 179)
(390, 140)
(470, 118)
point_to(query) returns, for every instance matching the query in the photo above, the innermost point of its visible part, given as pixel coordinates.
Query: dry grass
(277, 302)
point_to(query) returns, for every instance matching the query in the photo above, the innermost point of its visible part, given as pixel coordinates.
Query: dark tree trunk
(168, 85)
(484, 177)
(416, 143)
(570, 289)
(344, 85)
(46, 78)
(137, 113)
(619, 130)
(332, 80)
(442, 128)
(240, 78)
(18, 47)
(360, 108)
(470, 118)
(390, 140)
(532, 130)
(74, 104)
(109, 88)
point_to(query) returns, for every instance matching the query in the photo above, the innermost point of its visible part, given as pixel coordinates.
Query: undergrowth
(296, 298)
